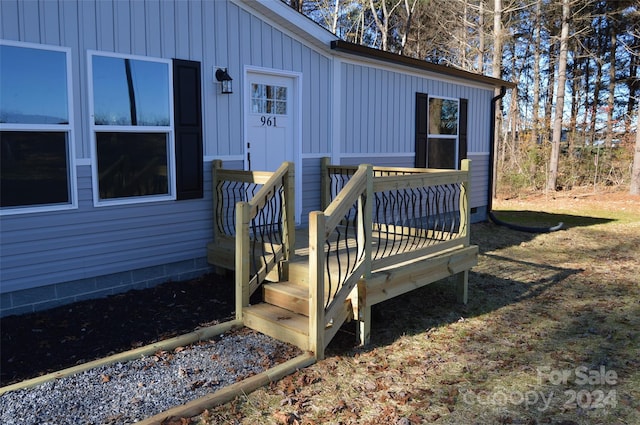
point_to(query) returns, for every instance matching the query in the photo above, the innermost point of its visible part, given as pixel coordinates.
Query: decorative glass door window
(268, 99)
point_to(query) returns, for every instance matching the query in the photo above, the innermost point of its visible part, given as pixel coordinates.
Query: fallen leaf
(286, 418)
(174, 420)
(105, 378)
(342, 405)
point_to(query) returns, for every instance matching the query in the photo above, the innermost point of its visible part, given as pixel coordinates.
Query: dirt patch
(583, 200)
(550, 335)
(39, 343)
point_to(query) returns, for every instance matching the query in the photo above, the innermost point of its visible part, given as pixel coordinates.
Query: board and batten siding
(252, 41)
(65, 253)
(379, 121)
(371, 119)
(215, 33)
(379, 109)
(479, 179)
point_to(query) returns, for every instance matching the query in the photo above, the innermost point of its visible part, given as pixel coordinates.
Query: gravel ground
(128, 392)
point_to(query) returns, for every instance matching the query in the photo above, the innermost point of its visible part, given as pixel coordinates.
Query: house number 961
(268, 121)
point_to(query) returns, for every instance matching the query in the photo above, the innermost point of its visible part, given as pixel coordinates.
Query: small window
(442, 144)
(133, 129)
(36, 168)
(267, 99)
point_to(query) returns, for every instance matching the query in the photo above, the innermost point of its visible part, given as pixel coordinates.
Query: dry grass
(540, 306)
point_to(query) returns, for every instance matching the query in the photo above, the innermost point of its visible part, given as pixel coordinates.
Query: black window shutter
(187, 100)
(422, 129)
(462, 132)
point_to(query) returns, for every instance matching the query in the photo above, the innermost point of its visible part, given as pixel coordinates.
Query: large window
(36, 149)
(132, 123)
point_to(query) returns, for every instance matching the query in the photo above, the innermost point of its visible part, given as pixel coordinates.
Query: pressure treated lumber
(230, 392)
(168, 344)
(278, 323)
(288, 295)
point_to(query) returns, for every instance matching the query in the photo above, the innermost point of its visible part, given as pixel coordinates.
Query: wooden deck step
(288, 295)
(278, 323)
(299, 270)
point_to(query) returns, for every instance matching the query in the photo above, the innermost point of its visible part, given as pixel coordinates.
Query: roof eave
(291, 20)
(357, 49)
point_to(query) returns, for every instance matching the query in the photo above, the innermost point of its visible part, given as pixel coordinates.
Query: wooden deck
(350, 257)
(284, 315)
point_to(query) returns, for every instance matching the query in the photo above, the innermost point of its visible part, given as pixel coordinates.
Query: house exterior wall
(379, 109)
(379, 120)
(52, 258)
(353, 112)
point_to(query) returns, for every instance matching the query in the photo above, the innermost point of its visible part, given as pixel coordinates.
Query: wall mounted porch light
(225, 80)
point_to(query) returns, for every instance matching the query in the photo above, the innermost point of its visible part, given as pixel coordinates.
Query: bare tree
(480, 53)
(537, 43)
(559, 101)
(496, 72)
(634, 89)
(635, 173)
(409, 8)
(382, 17)
(613, 45)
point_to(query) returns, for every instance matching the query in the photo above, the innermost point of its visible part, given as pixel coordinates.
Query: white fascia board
(290, 21)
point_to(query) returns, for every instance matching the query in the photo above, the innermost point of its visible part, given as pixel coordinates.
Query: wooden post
(363, 330)
(325, 183)
(288, 220)
(216, 165)
(243, 247)
(462, 278)
(317, 224)
(465, 199)
(365, 220)
(462, 286)
(365, 235)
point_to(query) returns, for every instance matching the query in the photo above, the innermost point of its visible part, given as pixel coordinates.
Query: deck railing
(376, 217)
(255, 211)
(343, 227)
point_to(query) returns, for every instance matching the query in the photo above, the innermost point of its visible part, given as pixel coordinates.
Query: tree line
(573, 118)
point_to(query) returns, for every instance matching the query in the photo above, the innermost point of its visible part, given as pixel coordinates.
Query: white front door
(272, 122)
(270, 135)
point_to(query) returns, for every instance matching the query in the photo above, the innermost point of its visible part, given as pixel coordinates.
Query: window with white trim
(132, 126)
(442, 135)
(37, 171)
